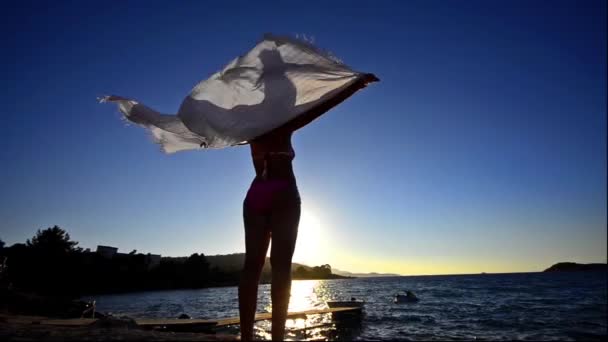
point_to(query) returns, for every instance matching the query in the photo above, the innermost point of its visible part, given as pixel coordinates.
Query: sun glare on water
(305, 295)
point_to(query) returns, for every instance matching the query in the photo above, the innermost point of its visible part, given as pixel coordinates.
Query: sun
(310, 246)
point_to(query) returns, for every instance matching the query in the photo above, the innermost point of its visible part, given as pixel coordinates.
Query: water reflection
(528, 306)
(305, 295)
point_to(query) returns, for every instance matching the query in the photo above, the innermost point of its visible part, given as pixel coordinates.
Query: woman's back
(272, 157)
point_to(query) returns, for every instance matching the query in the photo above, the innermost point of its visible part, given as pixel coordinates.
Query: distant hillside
(572, 266)
(234, 263)
(363, 275)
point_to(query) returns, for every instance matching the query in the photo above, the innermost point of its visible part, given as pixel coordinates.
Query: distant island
(573, 267)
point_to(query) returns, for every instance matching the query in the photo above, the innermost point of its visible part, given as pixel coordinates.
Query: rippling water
(526, 306)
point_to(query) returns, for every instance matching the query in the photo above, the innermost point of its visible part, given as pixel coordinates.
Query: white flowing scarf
(280, 79)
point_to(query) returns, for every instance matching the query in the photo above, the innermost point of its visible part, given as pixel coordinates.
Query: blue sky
(483, 148)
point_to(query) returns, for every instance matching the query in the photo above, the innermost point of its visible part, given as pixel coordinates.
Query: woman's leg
(257, 238)
(284, 227)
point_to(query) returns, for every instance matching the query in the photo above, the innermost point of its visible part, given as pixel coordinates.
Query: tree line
(50, 263)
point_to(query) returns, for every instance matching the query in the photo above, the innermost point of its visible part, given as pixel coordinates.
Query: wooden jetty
(179, 324)
(182, 324)
(293, 315)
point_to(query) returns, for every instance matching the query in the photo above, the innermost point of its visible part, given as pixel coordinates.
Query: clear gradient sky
(483, 148)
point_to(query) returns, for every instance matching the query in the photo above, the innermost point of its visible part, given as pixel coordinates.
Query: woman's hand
(369, 78)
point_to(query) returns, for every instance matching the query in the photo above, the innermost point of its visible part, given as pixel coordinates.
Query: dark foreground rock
(26, 303)
(107, 329)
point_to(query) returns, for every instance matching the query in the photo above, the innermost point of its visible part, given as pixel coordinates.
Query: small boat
(408, 297)
(352, 303)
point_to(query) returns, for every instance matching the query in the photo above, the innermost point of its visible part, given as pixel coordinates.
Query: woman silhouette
(271, 209)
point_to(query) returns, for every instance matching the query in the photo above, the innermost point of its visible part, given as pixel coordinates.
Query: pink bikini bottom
(262, 193)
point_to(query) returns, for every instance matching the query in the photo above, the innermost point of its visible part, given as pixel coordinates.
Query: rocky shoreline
(31, 317)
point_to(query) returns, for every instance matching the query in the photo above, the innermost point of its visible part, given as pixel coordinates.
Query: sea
(567, 306)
